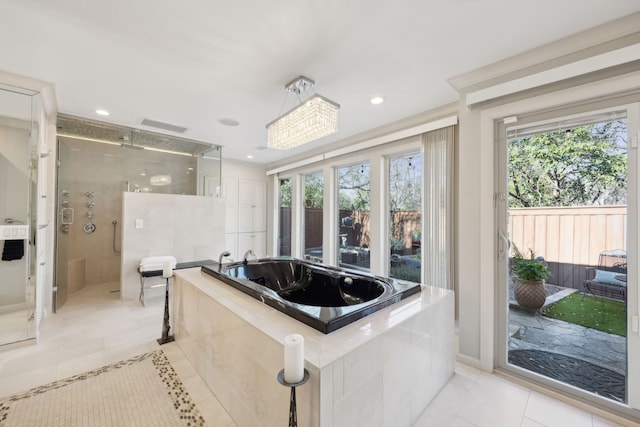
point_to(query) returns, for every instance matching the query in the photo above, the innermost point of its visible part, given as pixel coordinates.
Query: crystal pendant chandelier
(314, 117)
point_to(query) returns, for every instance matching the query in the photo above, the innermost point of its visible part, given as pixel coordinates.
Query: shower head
(114, 222)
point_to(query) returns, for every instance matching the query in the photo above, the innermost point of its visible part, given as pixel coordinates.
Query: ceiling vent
(163, 125)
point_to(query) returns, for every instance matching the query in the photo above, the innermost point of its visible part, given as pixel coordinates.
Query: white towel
(156, 263)
(153, 267)
(157, 259)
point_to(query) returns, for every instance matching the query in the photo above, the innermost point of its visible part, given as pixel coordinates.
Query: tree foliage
(286, 193)
(313, 190)
(354, 183)
(405, 183)
(583, 166)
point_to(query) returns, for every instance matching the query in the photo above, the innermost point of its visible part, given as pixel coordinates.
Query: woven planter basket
(530, 294)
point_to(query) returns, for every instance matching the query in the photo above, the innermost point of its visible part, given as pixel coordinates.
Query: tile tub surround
(382, 370)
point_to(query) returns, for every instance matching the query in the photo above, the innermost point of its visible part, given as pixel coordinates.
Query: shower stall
(97, 163)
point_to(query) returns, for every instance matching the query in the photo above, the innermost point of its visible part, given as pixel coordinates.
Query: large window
(354, 208)
(313, 216)
(405, 217)
(284, 225)
(386, 209)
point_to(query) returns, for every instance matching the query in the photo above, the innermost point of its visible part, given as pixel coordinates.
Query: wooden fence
(570, 239)
(356, 231)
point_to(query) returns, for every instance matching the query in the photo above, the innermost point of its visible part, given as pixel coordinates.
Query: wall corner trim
(574, 69)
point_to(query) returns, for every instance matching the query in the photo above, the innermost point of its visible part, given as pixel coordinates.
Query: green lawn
(597, 313)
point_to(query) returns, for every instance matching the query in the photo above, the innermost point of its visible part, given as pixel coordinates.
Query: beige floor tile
(553, 413)
(23, 381)
(184, 369)
(528, 422)
(459, 422)
(214, 414)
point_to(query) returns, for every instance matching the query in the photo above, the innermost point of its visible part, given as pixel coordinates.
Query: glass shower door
(18, 201)
(64, 220)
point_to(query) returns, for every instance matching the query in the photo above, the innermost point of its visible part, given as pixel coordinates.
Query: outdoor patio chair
(610, 276)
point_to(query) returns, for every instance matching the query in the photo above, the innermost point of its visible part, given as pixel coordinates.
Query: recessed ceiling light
(228, 122)
(377, 100)
(102, 112)
(143, 174)
(249, 156)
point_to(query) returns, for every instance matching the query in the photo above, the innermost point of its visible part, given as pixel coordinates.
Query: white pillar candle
(293, 358)
(167, 270)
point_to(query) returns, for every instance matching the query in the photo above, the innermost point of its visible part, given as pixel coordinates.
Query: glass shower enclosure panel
(18, 206)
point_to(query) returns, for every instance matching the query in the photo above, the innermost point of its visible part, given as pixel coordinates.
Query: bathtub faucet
(222, 255)
(246, 255)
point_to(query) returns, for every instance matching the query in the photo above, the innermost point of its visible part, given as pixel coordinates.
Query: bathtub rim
(306, 314)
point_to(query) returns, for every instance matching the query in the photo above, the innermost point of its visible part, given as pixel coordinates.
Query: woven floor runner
(142, 391)
(573, 371)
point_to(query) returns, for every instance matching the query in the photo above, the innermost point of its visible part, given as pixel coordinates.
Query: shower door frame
(58, 221)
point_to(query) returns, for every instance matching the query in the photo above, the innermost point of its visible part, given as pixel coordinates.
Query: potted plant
(530, 274)
(397, 247)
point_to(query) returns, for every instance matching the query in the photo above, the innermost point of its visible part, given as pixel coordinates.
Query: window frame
(377, 157)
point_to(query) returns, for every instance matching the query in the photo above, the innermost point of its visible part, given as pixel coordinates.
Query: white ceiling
(193, 63)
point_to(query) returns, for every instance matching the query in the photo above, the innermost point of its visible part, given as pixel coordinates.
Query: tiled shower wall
(88, 258)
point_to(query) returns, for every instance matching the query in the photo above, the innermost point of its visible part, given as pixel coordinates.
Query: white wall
(190, 228)
(243, 170)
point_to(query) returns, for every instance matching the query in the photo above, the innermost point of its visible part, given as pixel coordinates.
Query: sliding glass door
(566, 200)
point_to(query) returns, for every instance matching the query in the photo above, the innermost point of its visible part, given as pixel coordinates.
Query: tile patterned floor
(155, 396)
(95, 329)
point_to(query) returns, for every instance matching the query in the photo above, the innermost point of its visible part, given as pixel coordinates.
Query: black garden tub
(323, 297)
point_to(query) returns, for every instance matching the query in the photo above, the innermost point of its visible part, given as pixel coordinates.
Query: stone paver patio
(533, 331)
(529, 330)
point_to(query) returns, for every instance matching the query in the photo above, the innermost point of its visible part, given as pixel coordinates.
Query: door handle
(503, 245)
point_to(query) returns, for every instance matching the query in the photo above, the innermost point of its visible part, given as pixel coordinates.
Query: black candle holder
(165, 338)
(293, 418)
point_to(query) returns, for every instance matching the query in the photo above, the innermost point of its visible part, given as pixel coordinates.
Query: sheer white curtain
(437, 235)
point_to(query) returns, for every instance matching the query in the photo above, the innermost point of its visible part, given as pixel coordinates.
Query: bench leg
(588, 288)
(141, 297)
